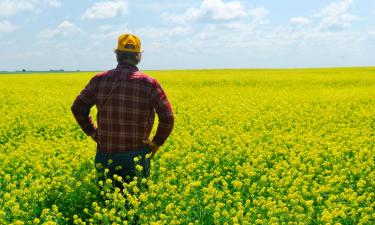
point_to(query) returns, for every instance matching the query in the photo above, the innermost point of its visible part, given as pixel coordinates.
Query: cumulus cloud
(65, 29)
(211, 10)
(11, 7)
(105, 28)
(254, 19)
(106, 10)
(336, 15)
(299, 21)
(163, 33)
(372, 32)
(53, 3)
(259, 14)
(6, 27)
(109, 32)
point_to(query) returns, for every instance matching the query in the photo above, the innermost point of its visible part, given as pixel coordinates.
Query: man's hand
(153, 147)
(94, 135)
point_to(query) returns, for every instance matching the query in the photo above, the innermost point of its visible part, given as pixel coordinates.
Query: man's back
(126, 100)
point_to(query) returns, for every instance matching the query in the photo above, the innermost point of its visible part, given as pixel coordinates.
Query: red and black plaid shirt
(126, 110)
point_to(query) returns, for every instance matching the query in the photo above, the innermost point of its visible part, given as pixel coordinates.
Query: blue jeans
(123, 164)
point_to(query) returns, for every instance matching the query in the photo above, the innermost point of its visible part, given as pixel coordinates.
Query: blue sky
(71, 34)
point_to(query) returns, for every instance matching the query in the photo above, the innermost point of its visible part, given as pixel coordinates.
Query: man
(127, 100)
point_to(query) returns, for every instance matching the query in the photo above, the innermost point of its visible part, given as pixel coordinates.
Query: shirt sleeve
(82, 105)
(164, 111)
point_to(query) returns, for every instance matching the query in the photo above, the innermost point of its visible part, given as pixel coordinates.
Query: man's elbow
(167, 121)
(76, 110)
(73, 108)
(170, 121)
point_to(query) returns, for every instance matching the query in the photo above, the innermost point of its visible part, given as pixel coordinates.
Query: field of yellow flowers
(249, 147)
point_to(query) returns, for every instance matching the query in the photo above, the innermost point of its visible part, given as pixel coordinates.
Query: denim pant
(123, 164)
(127, 170)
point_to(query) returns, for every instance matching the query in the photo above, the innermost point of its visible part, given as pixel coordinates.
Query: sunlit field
(248, 147)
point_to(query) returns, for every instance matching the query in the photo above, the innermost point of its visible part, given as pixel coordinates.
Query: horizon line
(191, 69)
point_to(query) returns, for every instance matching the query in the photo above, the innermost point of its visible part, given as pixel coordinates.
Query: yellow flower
(361, 183)
(19, 222)
(139, 168)
(297, 137)
(6, 196)
(55, 209)
(237, 184)
(99, 165)
(119, 167)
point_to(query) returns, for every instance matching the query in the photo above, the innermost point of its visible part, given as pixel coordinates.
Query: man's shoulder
(102, 74)
(139, 75)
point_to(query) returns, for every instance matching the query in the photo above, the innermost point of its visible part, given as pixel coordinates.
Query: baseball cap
(129, 43)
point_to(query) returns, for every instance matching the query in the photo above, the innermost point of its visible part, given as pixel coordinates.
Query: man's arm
(81, 109)
(164, 111)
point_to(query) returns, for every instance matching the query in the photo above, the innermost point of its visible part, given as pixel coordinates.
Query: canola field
(248, 147)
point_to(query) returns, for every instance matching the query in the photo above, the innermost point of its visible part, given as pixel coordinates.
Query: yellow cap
(129, 43)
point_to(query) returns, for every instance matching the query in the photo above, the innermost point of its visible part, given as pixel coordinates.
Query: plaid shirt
(127, 100)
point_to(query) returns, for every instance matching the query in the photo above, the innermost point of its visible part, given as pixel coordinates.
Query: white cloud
(337, 8)
(372, 32)
(208, 33)
(299, 21)
(259, 15)
(163, 33)
(108, 34)
(336, 15)
(219, 20)
(223, 11)
(11, 7)
(6, 27)
(211, 10)
(106, 10)
(255, 17)
(105, 27)
(158, 7)
(65, 28)
(53, 3)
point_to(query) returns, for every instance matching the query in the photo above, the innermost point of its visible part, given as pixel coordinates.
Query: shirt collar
(128, 66)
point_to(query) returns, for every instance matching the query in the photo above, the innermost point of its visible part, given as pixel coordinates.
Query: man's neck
(127, 65)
